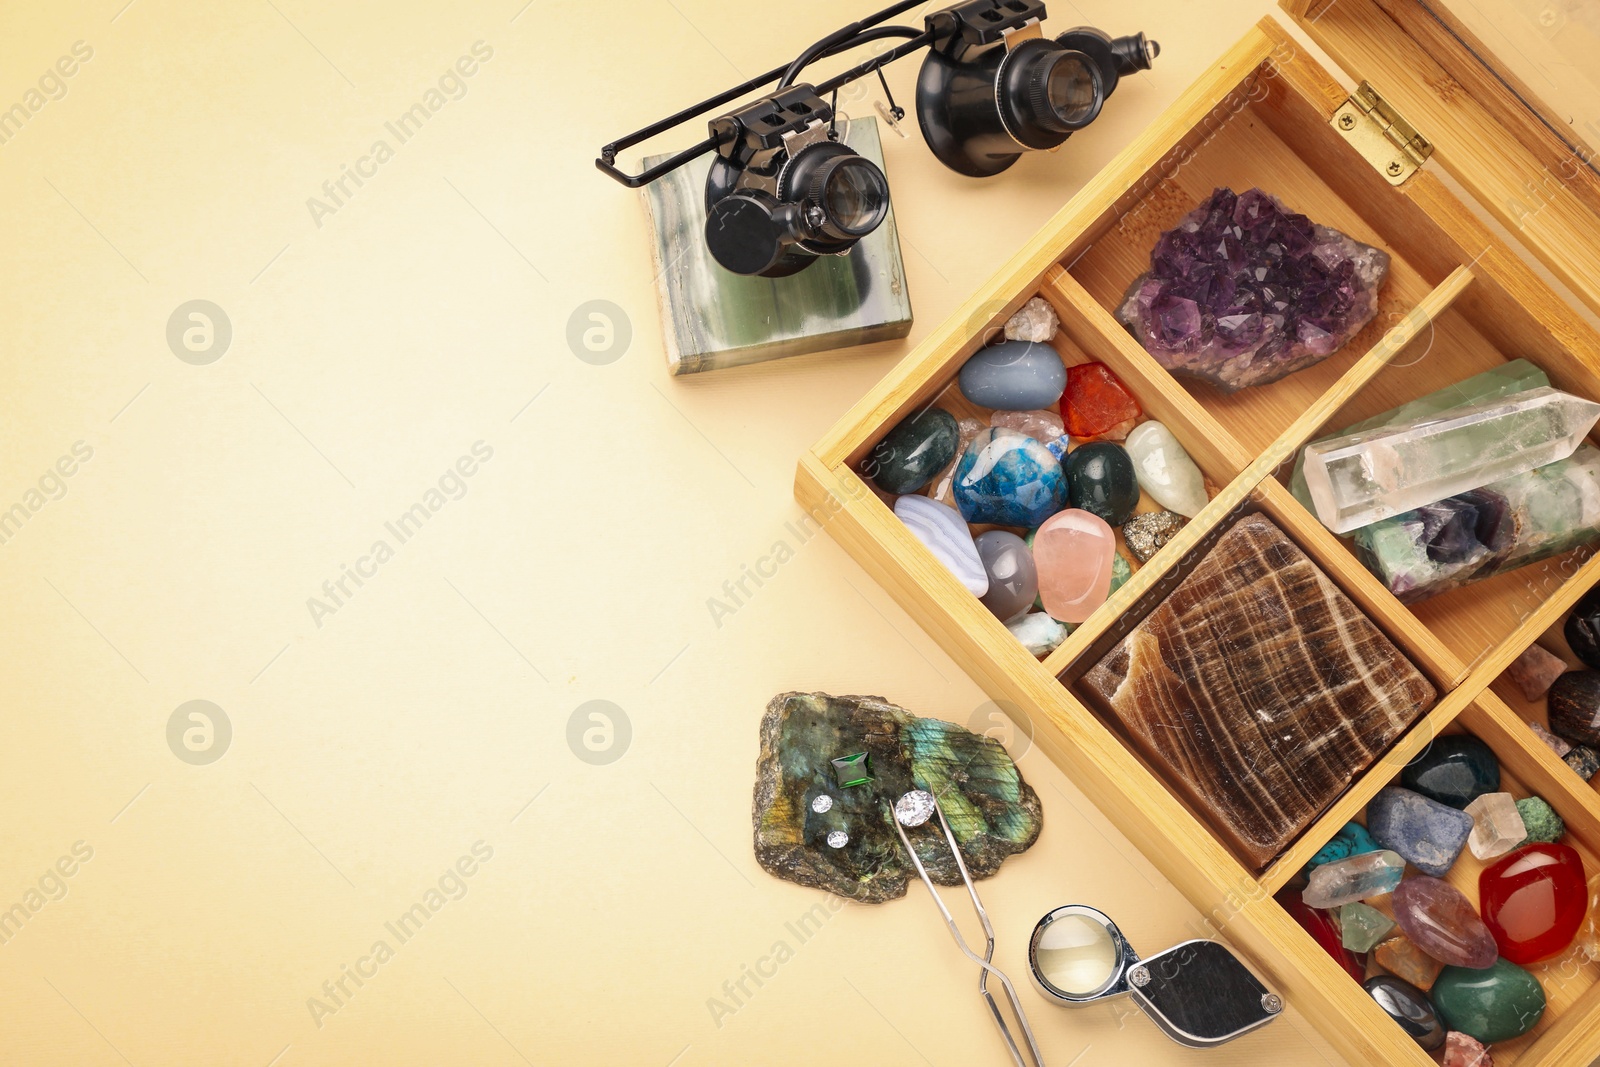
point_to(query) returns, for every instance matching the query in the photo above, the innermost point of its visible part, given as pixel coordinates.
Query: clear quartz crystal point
(1360, 478)
(1370, 874)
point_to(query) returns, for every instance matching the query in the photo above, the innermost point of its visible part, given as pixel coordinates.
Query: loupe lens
(855, 196)
(1077, 955)
(1064, 91)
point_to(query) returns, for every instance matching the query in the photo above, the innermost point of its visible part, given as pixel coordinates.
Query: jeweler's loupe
(1197, 992)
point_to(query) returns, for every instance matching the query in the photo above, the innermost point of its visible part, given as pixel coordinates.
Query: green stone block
(1362, 926)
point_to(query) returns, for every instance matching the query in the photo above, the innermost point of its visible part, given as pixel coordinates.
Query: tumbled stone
(1574, 704)
(1371, 874)
(944, 483)
(1496, 825)
(1497, 1003)
(1243, 292)
(1401, 957)
(1454, 770)
(1095, 401)
(993, 812)
(1361, 926)
(1352, 840)
(1582, 629)
(1038, 632)
(1428, 834)
(1074, 551)
(1014, 375)
(1441, 921)
(945, 534)
(1165, 470)
(1321, 927)
(1008, 479)
(1535, 671)
(1043, 426)
(1121, 570)
(1148, 533)
(1583, 760)
(1409, 1007)
(1541, 819)
(1463, 1051)
(1034, 321)
(1013, 579)
(1559, 745)
(1100, 480)
(913, 452)
(1215, 686)
(1534, 901)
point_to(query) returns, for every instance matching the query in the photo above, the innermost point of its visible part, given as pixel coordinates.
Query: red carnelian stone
(1095, 400)
(1534, 901)
(1320, 925)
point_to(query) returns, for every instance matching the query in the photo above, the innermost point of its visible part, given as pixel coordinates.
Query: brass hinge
(1385, 139)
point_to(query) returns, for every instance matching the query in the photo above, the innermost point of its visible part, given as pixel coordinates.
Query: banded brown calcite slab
(1259, 690)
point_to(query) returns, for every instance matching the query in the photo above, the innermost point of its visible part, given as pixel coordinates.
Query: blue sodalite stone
(1428, 834)
(1353, 840)
(1008, 479)
(1455, 770)
(1014, 376)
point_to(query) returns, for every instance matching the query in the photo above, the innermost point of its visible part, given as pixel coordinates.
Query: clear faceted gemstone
(821, 803)
(914, 808)
(838, 839)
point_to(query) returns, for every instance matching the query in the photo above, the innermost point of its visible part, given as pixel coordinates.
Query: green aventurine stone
(1361, 926)
(1500, 1002)
(1514, 377)
(1541, 820)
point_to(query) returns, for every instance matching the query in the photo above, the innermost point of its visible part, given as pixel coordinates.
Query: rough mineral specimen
(1096, 402)
(1401, 957)
(1535, 670)
(1147, 533)
(1541, 820)
(1359, 478)
(992, 811)
(1243, 292)
(1371, 874)
(1463, 1051)
(1559, 745)
(1362, 926)
(1258, 689)
(1496, 825)
(1034, 321)
(1038, 632)
(1584, 761)
(1488, 531)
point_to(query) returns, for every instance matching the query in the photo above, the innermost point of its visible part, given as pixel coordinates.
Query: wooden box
(1457, 301)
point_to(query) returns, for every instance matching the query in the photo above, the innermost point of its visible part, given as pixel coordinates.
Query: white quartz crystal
(1165, 470)
(1359, 877)
(1359, 478)
(1034, 321)
(1496, 825)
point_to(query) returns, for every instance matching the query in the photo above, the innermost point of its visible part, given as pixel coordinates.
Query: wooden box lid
(1495, 115)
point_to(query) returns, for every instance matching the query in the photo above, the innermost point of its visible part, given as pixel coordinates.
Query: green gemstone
(1541, 820)
(913, 452)
(1361, 926)
(1500, 1002)
(853, 769)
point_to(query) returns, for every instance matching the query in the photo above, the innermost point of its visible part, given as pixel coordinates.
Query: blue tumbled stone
(1428, 834)
(1353, 840)
(1009, 479)
(1014, 376)
(1455, 770)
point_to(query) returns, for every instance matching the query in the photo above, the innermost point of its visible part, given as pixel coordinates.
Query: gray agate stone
(1429, 835)
(1014, 376)
(1013, 578)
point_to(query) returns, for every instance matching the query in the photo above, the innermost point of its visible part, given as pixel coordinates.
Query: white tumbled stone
(1165, 470)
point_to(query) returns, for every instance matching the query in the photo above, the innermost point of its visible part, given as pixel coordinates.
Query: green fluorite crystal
(992, 811)
(1361, 926)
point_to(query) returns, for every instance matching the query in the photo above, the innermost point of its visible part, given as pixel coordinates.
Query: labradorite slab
(992, 811)
(1101, 481)
(1455, 770)
(914, 451)
(1497, 1003)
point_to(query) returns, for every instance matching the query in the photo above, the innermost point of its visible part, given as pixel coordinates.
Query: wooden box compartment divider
(1457, 301)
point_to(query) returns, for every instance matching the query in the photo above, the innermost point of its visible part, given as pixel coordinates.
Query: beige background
(430, 711)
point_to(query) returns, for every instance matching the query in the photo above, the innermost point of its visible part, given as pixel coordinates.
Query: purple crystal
(1243, 291)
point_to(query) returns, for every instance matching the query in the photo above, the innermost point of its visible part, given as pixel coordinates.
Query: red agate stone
(1095, 401)
(1534, 901)
(1320, 925)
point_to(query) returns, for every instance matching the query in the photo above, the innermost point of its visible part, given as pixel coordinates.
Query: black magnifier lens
(1064, 91)
(853, 196)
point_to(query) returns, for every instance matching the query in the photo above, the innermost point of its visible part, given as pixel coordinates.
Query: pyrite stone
(1258, 689)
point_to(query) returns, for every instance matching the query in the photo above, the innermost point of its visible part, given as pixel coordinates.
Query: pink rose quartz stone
(1463, 1051)
(1535, 671)
(1073, 550)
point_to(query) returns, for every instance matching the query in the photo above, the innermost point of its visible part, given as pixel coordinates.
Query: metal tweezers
(984, 961)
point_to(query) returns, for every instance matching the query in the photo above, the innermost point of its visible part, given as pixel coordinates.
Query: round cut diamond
(838, 839)
(821, 802)
(915, 808)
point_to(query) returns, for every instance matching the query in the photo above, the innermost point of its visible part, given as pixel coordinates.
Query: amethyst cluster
(1243, 292)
